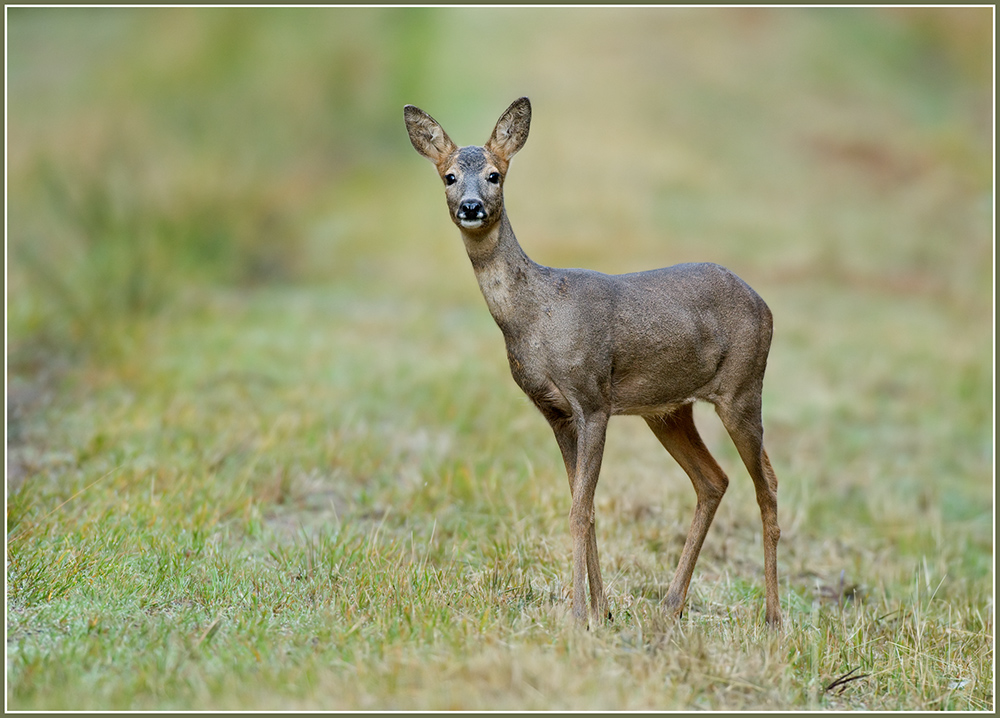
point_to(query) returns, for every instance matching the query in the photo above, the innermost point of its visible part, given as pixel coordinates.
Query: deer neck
(507, 276)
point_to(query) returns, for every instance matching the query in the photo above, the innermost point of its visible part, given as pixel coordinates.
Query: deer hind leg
(582, 447)
(677, 432)
(743, 422)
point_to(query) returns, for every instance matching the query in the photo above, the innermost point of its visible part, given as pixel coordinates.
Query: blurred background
(243, 335)
(158, 152)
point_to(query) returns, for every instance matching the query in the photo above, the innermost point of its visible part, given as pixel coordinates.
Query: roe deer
(585, 346)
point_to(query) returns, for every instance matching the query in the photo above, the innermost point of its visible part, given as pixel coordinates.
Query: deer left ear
(426, 135)
(511, 131)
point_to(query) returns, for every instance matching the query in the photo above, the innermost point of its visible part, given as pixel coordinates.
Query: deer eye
(450, 178)
(493, 178)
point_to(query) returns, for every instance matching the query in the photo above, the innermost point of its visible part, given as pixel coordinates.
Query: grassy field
(264, 451)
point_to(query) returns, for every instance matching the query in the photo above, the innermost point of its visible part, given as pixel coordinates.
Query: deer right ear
(511, 131)
(426, 135)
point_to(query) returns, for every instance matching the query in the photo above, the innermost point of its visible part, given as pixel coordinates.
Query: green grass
(264, 451)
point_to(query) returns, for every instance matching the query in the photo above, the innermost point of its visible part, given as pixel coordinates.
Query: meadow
(263, 447)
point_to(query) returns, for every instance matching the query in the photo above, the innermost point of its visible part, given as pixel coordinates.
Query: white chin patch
(471, 223)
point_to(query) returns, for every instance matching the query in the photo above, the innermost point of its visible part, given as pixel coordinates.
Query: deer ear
(426, 135)
(511, 131)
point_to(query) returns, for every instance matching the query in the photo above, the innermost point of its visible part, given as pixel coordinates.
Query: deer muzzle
(471, 213)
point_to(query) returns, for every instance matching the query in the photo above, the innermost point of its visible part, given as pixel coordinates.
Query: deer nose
(470, 209)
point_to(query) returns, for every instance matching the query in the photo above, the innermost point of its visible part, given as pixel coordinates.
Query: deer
(585, 346)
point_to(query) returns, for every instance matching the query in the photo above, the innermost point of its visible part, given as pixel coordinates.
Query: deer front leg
(599, 610)
(590, 451)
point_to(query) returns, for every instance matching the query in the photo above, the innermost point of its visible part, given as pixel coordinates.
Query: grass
(264, 451)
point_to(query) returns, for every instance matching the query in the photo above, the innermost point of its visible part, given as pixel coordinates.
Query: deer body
(585, 346)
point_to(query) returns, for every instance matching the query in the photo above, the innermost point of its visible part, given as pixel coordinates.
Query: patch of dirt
(30, 389)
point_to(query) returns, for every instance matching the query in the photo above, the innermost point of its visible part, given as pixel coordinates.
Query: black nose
(470, 209)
